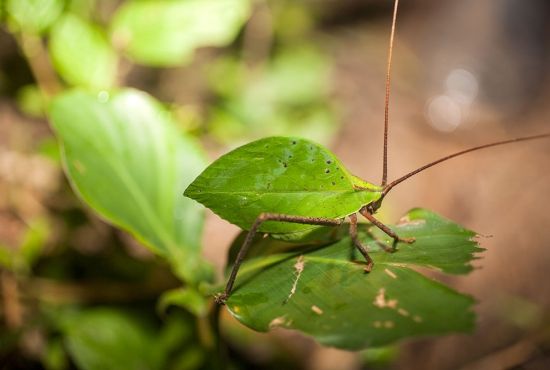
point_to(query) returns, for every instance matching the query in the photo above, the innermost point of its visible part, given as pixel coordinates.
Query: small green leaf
(81, 54)
(31, 101)
(285, 175)
(324, 291)
(126, 159)
(187, 298)
(33, 16)
(33, 242)
(163, 33)
(104, 339)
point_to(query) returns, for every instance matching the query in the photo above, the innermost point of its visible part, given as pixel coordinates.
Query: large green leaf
(125, 157)
(324, 291)
(33, 16)
(168, 32)
(286, 175)
(81, 54)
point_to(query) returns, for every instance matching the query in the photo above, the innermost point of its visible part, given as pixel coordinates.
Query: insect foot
(369, 266)
(220, 298)
(407, 240)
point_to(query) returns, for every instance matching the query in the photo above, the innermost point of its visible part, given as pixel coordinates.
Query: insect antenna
(391, 185)
(387, 100)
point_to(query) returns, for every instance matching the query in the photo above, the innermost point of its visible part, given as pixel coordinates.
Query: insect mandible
(288, 187)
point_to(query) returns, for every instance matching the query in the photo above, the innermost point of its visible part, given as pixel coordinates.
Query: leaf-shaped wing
(281, 175)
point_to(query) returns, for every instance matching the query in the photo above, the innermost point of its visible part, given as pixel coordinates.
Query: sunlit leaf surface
(81, 54)
(33, 16)
(127, 160)
(324, 292)
(168, 32)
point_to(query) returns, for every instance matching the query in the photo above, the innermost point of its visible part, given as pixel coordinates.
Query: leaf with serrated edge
(325, 293)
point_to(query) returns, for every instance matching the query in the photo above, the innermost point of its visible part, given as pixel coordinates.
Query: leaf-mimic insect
(288, 187)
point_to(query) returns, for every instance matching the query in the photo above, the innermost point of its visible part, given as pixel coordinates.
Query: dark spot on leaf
(342, 177)
(290, 156)
(294, 142)
(329, 162)
(267, 146)
(285, 164)
(333, 183)
(311, 147)
(327, 171)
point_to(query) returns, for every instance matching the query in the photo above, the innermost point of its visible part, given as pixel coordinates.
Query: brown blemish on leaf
(276, 322)
(377, 324)
(403, 312)
(317, 310)
(381, 302)
(390, 273)
(298, 269)
(388, 324)
(417, 318)
(405, 221)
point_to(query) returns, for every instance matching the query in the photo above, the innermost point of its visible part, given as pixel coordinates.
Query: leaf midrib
(288, 192)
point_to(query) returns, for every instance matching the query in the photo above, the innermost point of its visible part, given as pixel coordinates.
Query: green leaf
(33, 242)
(164, 33)
(104, 339)
(31, 101)
(33, 16)
(324, 291)
(81, 54)
(280, 175)
(289, 96)
(127, 160)
(187, 298)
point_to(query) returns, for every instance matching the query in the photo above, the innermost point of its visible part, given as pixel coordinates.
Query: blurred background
(465, 73)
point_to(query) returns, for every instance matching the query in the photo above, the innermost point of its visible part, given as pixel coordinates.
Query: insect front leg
(385, 228)
(263, 217)
(357, 243)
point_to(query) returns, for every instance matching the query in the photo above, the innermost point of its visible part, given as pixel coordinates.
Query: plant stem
(39, 62)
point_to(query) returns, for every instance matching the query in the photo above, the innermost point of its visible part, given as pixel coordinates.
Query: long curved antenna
(388, 187)
(387, 101)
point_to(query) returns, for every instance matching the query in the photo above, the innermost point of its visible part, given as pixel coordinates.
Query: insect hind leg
(357, 242)
(263, 217)
(386, 229)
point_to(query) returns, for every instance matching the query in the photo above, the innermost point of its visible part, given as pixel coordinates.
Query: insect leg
(385, 229)
(357, 243)
(380, 243)
(263, 217)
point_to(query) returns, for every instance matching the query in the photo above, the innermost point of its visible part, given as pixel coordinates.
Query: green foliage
(281, 175)
(324, 292)
(31, 101)
(289, 95)
(105, 339)
(33, 16)
(188, 298)
(81, 54)
(23, 257)
(126, 158)
(164, 33)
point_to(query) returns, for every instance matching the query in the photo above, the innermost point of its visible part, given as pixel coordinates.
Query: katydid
(288, 187)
